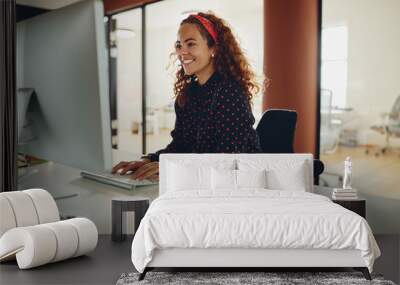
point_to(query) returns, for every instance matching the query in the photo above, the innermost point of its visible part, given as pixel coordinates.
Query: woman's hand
(148, 171)
(144, 169)
(128, 166)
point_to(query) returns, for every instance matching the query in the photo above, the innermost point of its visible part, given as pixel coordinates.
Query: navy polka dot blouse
(216, 119)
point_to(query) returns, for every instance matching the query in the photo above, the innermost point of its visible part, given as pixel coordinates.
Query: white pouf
(31, 233)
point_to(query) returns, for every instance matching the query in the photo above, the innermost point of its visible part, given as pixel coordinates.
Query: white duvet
(250, 219)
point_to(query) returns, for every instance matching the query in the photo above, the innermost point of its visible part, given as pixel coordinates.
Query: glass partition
(360, 103)
(127, 54)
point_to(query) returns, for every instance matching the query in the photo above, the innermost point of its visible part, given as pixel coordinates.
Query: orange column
(291, 55)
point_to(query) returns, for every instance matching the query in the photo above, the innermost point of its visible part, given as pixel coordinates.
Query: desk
(94, 200)
(122, 204)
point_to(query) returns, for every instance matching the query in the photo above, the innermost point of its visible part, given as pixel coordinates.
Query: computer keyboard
(123, 181)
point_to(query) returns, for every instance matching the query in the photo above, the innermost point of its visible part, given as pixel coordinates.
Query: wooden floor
(377, 179)
(110, 259)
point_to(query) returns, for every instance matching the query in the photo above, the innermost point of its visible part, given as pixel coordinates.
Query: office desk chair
(390, 128)
(276, 131)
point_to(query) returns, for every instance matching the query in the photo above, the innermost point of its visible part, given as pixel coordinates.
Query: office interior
(337, 67)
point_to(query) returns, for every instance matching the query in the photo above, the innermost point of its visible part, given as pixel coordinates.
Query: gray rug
(242, 278)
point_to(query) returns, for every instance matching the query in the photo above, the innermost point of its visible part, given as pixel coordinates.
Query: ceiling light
(125, 33)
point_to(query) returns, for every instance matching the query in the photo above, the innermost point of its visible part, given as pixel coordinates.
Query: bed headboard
(231, 159)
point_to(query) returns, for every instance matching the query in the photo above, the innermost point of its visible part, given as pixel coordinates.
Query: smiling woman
(194, 53)
(214, 88)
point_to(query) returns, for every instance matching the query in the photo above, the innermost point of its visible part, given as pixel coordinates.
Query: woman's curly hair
(229, 59)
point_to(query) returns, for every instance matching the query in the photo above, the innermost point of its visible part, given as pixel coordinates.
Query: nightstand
(127, 204)
(357, 206)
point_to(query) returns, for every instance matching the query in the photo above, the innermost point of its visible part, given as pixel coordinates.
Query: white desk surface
(94, 198)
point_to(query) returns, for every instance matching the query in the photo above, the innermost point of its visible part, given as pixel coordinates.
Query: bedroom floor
(103, 266)
(110, 260)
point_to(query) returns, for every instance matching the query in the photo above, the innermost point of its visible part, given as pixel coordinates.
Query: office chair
(393, 125)
(390, 128)
(276, 131)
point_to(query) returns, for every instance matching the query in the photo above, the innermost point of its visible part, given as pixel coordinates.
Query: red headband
(208, 26)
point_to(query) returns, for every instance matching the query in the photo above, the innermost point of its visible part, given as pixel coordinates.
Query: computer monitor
(63, 57)
(23, 98)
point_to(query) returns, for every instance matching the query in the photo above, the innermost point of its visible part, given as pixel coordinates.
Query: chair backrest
(396, 107)
(393, 126)
(276, 131)
(26, 208)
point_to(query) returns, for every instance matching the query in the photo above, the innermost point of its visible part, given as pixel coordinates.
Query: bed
(246, 211)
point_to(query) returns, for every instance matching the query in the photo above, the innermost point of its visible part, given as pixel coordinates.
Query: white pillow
(292, 175)
(223, 179)
(193, 174)
(226, 179)
(182, 177)
(251, 178)
(292, 179)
